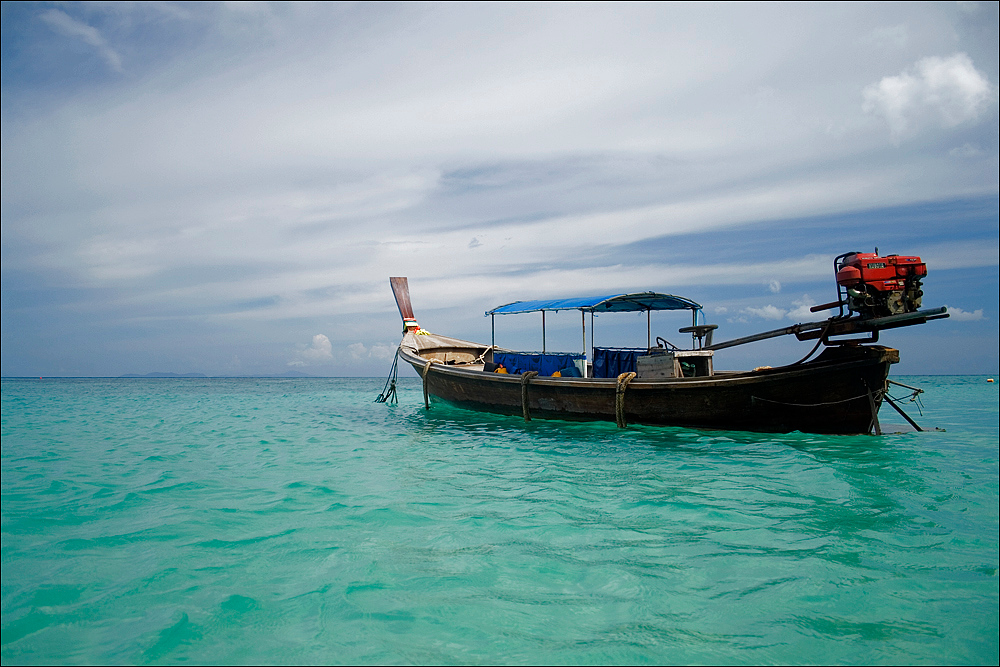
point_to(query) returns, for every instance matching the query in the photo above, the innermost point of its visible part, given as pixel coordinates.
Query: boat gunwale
(731, 377)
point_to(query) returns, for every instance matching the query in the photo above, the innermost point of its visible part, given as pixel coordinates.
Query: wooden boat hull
(839, 392)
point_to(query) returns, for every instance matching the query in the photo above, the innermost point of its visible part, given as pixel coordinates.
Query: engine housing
(879, 286)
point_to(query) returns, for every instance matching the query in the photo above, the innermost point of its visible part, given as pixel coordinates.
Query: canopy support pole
(649, 340)
(694, 323)
(592, 335)
(543, 332)
(583, 328)
(493, 330)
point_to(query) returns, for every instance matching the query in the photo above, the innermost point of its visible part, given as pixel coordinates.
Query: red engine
(879, 286)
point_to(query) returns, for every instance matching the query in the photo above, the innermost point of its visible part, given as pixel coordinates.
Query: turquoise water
(287, 521)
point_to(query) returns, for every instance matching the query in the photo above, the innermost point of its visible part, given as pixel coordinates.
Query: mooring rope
(482, 357)
(912, 398)
(892, 403)
(525, 378)
(423, 376)
(389, 390)
(871, 396)
(808, 405)
(623, 381)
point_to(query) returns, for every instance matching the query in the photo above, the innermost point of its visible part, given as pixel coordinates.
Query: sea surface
(296, 521)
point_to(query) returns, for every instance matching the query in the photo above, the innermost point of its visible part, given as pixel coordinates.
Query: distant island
(286, 374)
(164, 375)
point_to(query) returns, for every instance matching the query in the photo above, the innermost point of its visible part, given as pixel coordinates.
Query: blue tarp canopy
(610, 303)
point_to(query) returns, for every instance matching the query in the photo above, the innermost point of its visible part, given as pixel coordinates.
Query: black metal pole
(874, 410)
(898, 409)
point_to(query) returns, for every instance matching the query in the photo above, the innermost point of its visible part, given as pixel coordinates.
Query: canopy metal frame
(611, 303)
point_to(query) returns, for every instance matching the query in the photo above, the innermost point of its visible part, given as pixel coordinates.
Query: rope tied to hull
(389, 390)
(423, 376)
(525, 378)
(623, 381)
(754, 399)
(913, 398)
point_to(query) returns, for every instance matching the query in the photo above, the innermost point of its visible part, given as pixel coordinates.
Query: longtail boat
(838, 391)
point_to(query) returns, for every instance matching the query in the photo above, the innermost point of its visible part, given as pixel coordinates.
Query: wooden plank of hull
(829, 395)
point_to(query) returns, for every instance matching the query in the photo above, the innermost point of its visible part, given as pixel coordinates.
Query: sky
(226, 188)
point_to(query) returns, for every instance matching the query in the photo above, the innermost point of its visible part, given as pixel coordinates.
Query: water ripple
(283, 521)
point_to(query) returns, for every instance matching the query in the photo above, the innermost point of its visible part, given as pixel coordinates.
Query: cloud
(948, 91)
(960, 315)
(962, 254)
(382, 351)
(65, 24)
(320, 351)
(966, 150)
(487, 151)
(799, 312)
(768, 312)
(359, 351)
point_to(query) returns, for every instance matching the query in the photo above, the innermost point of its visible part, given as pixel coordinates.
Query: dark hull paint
(827, 395)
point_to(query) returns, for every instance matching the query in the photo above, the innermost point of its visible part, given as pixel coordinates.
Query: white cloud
(960, 315)
(65, 24)
(768, 312)
(948, 91)
(960, 254)
(382, 351)
(359, 351)
(966, 150)
(801, 313)
(484, 150)
(320, 351)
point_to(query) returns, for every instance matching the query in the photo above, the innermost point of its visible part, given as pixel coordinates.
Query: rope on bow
(623, 381)
(423, 375)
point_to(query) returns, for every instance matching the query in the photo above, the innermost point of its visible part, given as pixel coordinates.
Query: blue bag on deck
(610, 362)
(546, 364)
